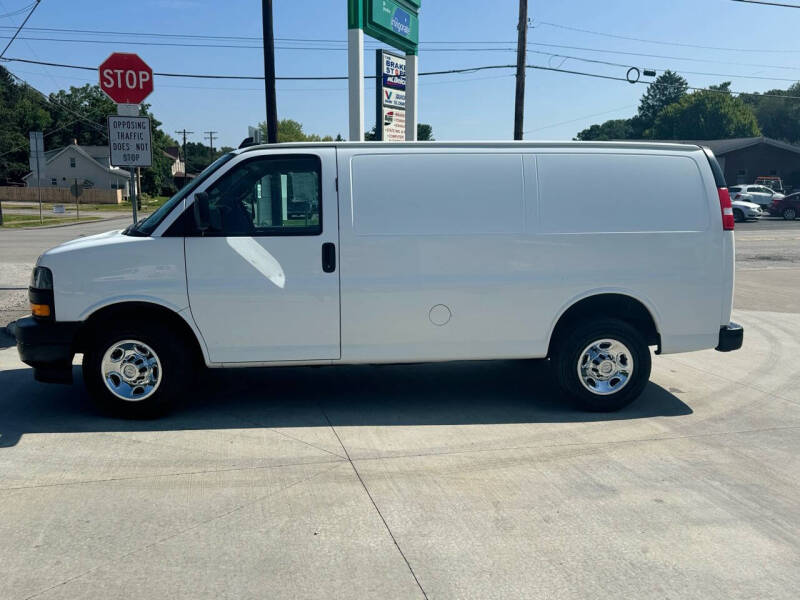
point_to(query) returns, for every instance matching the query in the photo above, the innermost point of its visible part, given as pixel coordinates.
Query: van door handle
(328, 257)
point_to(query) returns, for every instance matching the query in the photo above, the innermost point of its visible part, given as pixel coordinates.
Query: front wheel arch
(138, 311)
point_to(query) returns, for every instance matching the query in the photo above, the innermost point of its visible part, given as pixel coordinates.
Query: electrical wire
(605, 112)
(16, 33)
(768, 3)
(646, 41)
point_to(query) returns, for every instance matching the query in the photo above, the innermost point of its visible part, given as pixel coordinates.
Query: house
(90, 165)
(744, 159)
(178, 166)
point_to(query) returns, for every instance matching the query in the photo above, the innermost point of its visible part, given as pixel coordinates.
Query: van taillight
(726, 208)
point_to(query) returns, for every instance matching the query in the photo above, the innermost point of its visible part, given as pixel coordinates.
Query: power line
(19, 11)
(605, 112)
(16, 33)
(428, 73)
(682, 45)
(645, 55)
(768, 3)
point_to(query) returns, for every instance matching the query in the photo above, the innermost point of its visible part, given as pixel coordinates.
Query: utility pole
(210, 137)
(269, 72)
(184, 133)
(522, 44)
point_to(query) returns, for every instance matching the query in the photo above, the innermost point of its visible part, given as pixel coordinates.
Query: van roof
(635, 145)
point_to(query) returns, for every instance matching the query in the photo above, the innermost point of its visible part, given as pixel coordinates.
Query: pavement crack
(375, 505)
(179, 474)
(181, 532)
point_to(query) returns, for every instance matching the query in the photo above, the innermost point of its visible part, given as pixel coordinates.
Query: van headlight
(42, 278)
(40, 293)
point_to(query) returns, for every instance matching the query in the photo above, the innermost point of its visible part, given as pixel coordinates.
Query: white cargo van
(326, 254)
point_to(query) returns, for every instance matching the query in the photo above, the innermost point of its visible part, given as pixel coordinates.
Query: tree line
(669, 111)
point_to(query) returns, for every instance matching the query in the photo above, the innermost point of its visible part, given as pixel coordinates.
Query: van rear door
(263, 281)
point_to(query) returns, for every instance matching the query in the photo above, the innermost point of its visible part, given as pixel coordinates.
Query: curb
(73, 224)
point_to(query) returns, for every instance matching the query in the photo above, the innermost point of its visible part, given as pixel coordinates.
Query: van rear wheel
(602, 365)
(135, 371)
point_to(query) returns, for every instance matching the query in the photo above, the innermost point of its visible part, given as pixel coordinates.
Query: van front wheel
(602, 365)
(135, 371)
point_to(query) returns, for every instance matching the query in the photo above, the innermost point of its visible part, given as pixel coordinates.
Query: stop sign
(126, 78)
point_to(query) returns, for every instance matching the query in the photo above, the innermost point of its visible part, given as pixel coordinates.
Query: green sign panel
(394, 22)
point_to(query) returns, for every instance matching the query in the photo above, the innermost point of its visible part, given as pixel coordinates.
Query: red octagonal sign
(126, 78)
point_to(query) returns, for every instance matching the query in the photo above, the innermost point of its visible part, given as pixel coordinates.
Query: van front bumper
(48, 347)
(731, 337)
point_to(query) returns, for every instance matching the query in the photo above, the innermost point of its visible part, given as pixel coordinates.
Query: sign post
(36, 162)
(128, 80)
(396, 23)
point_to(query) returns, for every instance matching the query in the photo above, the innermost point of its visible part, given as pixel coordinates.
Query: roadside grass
(149, 204)
(19, 221)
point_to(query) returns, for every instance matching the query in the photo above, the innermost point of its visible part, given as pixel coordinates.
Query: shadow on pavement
(463, 393)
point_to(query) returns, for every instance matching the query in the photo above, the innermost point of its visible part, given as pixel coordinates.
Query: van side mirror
(202, 212)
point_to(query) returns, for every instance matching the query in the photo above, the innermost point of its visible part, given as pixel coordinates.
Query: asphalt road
(456, 480)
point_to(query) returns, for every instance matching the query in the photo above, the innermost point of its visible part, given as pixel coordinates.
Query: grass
(148, 203)
(18, 221)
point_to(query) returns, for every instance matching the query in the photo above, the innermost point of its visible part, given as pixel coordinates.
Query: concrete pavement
(464, 480)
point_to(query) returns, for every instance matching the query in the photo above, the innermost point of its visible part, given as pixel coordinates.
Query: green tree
(21, 110)
(778, 117)
(290, 130)
(80, 114)
(424, 133)
(616, 129)
(706, 115)
(668, 88)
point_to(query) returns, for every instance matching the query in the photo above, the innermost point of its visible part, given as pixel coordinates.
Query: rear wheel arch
(608, 305)
(138, 311)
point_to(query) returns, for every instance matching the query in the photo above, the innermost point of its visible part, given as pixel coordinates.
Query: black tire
(173, 357)
(568, 352)
(738, 215)
(790, 214)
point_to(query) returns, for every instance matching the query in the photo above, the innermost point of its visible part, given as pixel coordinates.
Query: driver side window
(268, 196)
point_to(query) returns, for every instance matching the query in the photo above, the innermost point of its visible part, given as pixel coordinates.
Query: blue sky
(470, 106)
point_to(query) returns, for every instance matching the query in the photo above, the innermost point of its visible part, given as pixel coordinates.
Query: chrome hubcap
(131, 370)
(605, 367)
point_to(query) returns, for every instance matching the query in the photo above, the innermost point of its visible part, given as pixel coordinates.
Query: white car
(745, 211)
(407, 252)
(760, 194)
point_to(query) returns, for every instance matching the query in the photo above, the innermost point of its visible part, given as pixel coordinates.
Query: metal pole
(133, 193)
(269, 72)
(522, 41)
(39, 186)
(412, 73)
(77, 202)
(355, 83)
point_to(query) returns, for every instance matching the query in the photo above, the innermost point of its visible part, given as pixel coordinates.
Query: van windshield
(147, 226)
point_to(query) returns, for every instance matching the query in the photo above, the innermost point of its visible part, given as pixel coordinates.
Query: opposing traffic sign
(129, 141)
(126, 78)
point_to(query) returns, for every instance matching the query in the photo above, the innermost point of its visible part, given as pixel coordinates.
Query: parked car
(787, 207)
(761, 195)
(416, 252)
(746, 211)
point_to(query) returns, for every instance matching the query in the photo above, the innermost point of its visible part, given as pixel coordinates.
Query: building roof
(173, 151)
(99, 158)
(722, 147)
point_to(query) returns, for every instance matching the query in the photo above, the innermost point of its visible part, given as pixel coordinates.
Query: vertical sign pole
(133, 192)
(412, 73)
(39, 186)
(355, 82)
